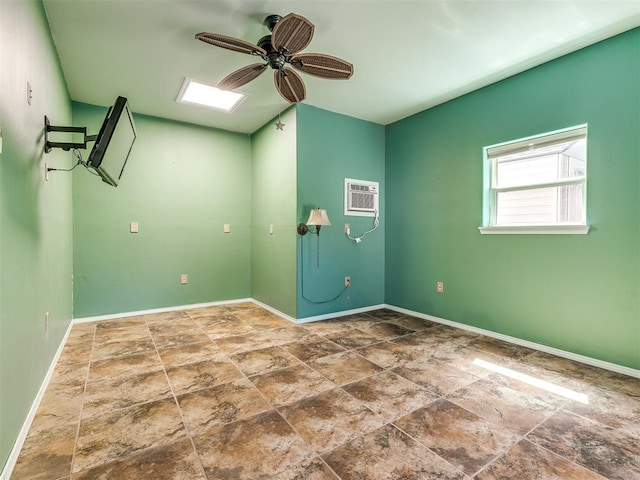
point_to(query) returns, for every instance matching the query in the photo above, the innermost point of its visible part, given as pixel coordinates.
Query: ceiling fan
(289, 35)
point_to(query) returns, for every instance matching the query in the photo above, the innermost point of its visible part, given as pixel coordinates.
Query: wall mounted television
(113, 143)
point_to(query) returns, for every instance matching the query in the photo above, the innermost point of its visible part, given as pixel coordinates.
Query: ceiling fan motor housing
(276, 60)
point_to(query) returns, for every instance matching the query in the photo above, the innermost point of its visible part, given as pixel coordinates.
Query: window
(537, 184)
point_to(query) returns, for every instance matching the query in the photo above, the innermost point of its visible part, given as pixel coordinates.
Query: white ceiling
(407, 55)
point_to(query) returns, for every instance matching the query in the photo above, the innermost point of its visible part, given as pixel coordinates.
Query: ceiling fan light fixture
(208, 96)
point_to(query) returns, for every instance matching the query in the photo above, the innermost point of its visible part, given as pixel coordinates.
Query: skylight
(203, 95)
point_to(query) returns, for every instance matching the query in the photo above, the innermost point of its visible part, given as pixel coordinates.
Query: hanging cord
(302, 280)
(78, 155)
(376, 222)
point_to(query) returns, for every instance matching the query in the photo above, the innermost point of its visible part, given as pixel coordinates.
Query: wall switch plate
(46, 321)
(347, 281)
(133, 227)
(184, 279)
(227, 228)
(271, 229)
(440, 287)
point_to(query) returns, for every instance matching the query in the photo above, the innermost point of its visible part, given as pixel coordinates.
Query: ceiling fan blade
(292, 34)
(231, 43)
(323, 66)
(289, 85)
(241, 76)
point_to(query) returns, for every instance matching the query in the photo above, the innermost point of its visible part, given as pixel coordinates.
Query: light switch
(134, 227)
(271, 229)
(227, 228)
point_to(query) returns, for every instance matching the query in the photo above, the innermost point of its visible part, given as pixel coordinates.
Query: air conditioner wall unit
(361, 198)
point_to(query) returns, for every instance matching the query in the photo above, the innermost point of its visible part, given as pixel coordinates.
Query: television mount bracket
(49, 145)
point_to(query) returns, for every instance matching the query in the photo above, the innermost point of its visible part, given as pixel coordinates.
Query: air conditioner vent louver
(361, 197)
(360, 201)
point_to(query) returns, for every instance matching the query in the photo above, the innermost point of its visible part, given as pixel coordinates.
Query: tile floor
(236, 392)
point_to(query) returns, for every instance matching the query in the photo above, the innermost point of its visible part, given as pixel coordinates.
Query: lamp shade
(318, 216)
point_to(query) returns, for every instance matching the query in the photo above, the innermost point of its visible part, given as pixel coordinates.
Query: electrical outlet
(347, 281)
(347, 228)
(227, 228)
(184, 279)
(440, 287)
(133, 227)
(271, 229)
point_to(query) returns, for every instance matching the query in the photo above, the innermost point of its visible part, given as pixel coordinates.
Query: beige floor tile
(107, 437)
(526, 460)
(220, 405)
(330, 419)
(313, 347)
(196, 376)
(291, 384)
(176, 461)
(265, 360)
(343, 368)
(611, 452)
(184, 337)
(353, 338)
(388, 454)
(436, 376)
(116, 348)
(109, 395)
(192, 353)
(390, 395)
(504, 406)
(46, 454)
(259, 447)
(462, 438)
(124, 366)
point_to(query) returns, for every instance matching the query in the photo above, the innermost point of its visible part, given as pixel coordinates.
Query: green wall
(35, 216)
(182, 183)
(273, 189)
(330, 148)
(579, 293)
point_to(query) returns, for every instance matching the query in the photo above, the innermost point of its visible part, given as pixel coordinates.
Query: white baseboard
(525, 343)
(343, 313)
(273, 310)
(316, 318)
(158, 310)
(17, 446)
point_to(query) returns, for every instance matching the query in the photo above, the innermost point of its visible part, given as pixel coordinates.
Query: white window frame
(493, 152)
